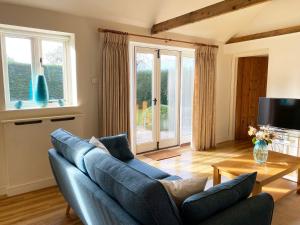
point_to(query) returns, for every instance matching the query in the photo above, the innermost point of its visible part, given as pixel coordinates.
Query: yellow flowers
(264, 134)
(252, 131)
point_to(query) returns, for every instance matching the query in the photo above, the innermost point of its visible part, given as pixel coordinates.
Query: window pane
(187, 87)
(19, 61)
(144, 77)
(53, 60)
(168, 96)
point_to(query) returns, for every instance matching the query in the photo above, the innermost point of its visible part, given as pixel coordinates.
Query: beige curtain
(204, 98)
(114, 85)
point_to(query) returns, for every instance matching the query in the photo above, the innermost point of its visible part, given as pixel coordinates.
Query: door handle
(154, 101)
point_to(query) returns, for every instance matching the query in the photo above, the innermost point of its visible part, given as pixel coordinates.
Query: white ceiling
(144, 13)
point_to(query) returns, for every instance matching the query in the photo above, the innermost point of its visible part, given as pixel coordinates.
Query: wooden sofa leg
(68, 210)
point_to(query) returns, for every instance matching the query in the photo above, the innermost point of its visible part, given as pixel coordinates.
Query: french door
(157, 98)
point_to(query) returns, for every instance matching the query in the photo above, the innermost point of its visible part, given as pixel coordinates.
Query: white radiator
(26, 144)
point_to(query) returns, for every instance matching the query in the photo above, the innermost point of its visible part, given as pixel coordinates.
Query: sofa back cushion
(72, 148)
(199, 207)
(118, 146)
(142, 197)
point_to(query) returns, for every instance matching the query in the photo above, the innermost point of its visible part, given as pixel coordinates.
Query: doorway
(252, 76)
(159, 98)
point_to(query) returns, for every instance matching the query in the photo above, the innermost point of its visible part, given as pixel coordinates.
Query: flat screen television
(279, 112)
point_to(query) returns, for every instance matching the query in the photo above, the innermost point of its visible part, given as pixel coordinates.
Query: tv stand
(287, 142)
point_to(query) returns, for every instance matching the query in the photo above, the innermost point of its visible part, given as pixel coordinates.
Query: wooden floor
(47, 207)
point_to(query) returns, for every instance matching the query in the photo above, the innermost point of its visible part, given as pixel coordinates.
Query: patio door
(157, 98)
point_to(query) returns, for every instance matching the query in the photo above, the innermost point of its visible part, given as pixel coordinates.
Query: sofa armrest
(257, 210)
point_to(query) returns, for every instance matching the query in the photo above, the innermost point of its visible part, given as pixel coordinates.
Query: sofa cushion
(147, 169)
(98, 144)
(142, 197)
(118, 146)
(181, 189)
(172, 177)
(200, 206)
(72, 148)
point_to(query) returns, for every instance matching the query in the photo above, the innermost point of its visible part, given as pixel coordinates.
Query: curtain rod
(157, 38)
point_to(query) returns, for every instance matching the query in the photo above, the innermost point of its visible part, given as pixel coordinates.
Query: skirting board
(223, 139)
(2, 190)
(32, 186)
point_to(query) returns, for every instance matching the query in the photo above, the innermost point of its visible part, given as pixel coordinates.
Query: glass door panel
(168, 132)
(187, 84)
(158, 96)
(145, 111)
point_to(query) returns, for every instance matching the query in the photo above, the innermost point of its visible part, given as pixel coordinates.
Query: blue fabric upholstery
(200, 206)
(257, 210)
(172, 177)
(118, 146)
(91, 204)
(71, 147)
(114, 192)
(147, 169)
(143, 197)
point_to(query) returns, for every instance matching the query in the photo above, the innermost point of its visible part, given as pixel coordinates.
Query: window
(26, 54)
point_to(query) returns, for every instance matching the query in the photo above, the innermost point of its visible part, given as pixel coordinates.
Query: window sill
(36, 108)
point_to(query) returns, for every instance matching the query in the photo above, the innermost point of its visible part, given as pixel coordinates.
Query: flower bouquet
(261, 139)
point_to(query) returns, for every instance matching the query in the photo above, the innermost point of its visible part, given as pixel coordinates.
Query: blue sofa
(104, 190)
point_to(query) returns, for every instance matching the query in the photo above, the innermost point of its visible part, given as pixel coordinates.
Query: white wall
(88, 57)
(87, 46)
(284, 64)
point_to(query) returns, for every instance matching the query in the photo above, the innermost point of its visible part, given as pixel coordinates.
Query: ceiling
(144, 13)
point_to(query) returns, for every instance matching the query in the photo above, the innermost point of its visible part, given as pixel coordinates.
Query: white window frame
(37, 36)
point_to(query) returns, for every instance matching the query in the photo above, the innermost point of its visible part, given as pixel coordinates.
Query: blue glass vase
(41, 95)
(260, 152)
(18, 104)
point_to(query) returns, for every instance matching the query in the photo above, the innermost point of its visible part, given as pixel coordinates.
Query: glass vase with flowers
(261, 138)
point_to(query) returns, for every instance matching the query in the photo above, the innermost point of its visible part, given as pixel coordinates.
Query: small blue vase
(30, 91)
(61, 102)
(260, 152)
(18, 104)
(41, 95)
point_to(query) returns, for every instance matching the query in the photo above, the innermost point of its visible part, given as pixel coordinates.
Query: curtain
(114, 85)
(204, 109)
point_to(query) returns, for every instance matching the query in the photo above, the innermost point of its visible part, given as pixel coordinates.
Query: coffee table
(269, 176)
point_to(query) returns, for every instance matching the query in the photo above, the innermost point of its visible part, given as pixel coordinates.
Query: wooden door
(251, 84)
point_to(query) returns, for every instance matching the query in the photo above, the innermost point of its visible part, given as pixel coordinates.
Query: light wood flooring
(47, 207)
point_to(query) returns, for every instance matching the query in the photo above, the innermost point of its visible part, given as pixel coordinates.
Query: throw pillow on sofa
(200, 206)
(180, 189)
(97, 143)
(118, 146)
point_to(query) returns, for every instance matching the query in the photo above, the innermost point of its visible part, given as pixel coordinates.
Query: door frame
(138, 43)
(233, 93)
(150, 146)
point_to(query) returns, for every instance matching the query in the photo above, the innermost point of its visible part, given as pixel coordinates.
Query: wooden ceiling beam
(217, 9)
(267, 34)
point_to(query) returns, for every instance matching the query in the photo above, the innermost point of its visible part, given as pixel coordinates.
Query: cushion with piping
(98, 144)
(147, 169)
(143, 197)
(180, 189)
(199, 207)
(71, 147)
